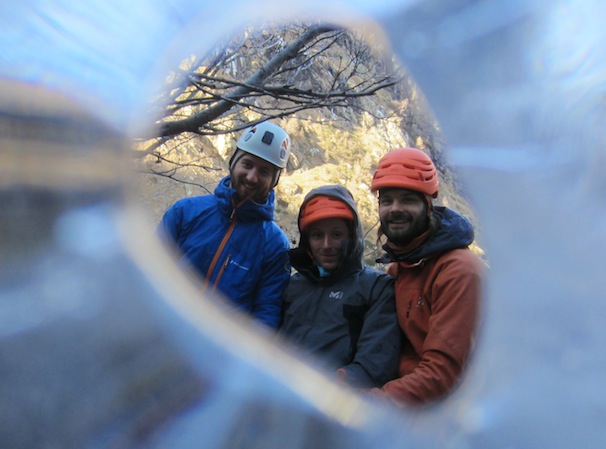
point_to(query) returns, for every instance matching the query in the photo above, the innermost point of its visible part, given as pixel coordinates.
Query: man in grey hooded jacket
(335, 307)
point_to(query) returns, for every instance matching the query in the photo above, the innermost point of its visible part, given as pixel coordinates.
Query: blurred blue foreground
(104, 343)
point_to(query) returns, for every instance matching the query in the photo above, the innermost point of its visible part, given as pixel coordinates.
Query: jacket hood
(300, 256)
(249, 210)
(450, 230)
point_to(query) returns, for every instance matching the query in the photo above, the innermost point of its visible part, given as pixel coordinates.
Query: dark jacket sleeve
(378, 347)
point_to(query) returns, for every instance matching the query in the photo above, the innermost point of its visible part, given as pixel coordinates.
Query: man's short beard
(401, 240)
(413, 233)
(260, 197)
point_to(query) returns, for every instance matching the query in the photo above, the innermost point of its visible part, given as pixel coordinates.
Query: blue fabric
(255, 256)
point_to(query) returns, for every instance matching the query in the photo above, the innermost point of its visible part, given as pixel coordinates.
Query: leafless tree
(268, 73)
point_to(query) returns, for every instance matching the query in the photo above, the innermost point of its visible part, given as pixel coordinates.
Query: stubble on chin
(258, 198)
(243, 193)
(400, 238)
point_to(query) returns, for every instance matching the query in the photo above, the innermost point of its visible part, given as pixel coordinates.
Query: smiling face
(403, 215)
(252, 177)
(327, 242)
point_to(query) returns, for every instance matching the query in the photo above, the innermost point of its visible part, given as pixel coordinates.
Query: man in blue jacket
(230, 237)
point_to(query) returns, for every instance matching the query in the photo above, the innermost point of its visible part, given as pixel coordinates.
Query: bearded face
(252, 177)
(403, 213)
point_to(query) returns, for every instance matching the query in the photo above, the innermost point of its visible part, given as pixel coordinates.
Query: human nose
(396, 206)
(252, 175)
(328, 242)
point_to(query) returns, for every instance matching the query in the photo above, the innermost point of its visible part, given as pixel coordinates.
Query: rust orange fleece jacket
(438, 293)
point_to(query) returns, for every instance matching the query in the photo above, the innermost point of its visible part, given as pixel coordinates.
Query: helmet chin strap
(429, 205)
(235, 158)
(239, 201)
(276, 177)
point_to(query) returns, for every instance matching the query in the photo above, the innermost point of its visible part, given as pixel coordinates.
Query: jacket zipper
(220, 249)
(221, 272)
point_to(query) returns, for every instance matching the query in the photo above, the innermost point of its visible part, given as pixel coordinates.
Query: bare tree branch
(264, 75)
(195, 121)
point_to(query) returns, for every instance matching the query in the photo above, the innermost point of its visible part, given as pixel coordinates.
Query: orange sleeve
(455, 292)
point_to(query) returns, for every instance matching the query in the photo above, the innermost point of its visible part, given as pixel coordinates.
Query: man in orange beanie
(335, 307)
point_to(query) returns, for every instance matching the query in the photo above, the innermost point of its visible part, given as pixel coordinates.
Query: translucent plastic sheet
(103, 343)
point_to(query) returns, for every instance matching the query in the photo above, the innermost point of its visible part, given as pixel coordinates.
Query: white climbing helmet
(267, 141)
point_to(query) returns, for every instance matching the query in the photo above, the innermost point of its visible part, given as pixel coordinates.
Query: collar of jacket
(247, 211)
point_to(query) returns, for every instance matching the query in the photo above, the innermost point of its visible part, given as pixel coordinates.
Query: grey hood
(300, 257)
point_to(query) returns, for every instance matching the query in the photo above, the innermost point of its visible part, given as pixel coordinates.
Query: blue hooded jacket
(251, 251)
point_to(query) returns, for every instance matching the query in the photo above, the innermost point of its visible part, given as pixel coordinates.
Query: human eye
(411, 199)
(385, 201)
(315, 235)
